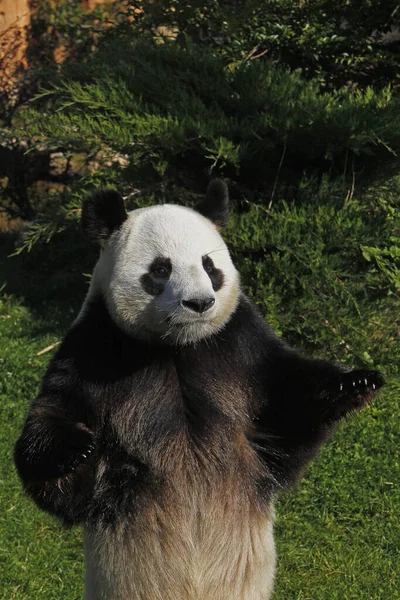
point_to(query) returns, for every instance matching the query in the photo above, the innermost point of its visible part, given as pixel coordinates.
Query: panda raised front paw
(50, 449)
(352, 391)
(77, 449)
(360, 384)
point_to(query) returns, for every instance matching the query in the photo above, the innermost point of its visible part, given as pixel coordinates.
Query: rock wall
(14, 19)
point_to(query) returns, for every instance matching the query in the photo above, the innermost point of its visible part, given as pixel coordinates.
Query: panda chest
(185, 413)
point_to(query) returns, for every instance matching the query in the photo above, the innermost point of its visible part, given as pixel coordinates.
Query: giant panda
(172, 416)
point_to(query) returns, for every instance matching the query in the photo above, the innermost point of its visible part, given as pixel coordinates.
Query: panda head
(164, 271)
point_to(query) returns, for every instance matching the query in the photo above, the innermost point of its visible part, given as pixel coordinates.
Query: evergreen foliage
(337, 41)
(174, 111)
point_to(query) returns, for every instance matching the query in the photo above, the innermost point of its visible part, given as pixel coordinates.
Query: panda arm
(55, 453)
(299, 399)
(304, 400)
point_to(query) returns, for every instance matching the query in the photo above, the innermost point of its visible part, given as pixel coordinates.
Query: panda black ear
(215, 206)
(102, 214)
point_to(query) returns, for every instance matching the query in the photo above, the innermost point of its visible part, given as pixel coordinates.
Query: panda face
(167, 274)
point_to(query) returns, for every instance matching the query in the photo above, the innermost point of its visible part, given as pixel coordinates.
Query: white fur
(185, 237)
(177, 552)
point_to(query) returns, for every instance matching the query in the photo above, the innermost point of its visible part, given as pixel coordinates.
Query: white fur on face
(185, 238)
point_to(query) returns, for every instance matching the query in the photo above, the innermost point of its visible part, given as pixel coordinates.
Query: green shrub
(179, 114)
(337, 41)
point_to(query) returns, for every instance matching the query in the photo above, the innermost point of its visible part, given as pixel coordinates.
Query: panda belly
(193, 548)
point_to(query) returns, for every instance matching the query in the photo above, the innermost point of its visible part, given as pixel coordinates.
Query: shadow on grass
(49, 281)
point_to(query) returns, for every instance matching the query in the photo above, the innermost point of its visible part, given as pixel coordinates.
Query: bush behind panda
(172, 415)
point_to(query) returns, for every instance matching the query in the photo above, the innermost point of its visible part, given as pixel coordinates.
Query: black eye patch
(157, 277)
(216, 276)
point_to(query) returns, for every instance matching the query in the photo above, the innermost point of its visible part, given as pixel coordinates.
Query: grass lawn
(338, 533)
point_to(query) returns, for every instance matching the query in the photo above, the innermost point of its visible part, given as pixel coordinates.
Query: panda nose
(199, 305)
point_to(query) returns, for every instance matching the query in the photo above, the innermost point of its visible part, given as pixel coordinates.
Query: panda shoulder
(248, 329)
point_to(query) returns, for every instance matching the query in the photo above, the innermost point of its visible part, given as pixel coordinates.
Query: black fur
(156, 279)
(216, 204)
(113, 411)
(102, 214)
(216, 275)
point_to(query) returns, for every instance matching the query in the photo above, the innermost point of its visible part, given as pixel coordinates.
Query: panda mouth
(174, 323)
(178, 327)
(176, 319)
(188, 331)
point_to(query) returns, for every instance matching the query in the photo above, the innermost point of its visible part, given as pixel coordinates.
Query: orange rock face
(91, 3)
(13, 13)
(14, 19)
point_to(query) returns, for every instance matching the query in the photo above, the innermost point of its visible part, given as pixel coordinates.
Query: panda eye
(208, 264)
(160, 271)
(161, 267)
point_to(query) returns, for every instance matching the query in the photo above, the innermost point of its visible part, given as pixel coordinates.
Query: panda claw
(359, 384)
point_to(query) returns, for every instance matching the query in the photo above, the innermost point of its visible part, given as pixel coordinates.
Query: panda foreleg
(315, 393)
(323, 392)
(54, 457)
(305, 399)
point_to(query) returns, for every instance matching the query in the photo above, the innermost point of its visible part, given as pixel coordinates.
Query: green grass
(337, 533)
(37, 558)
